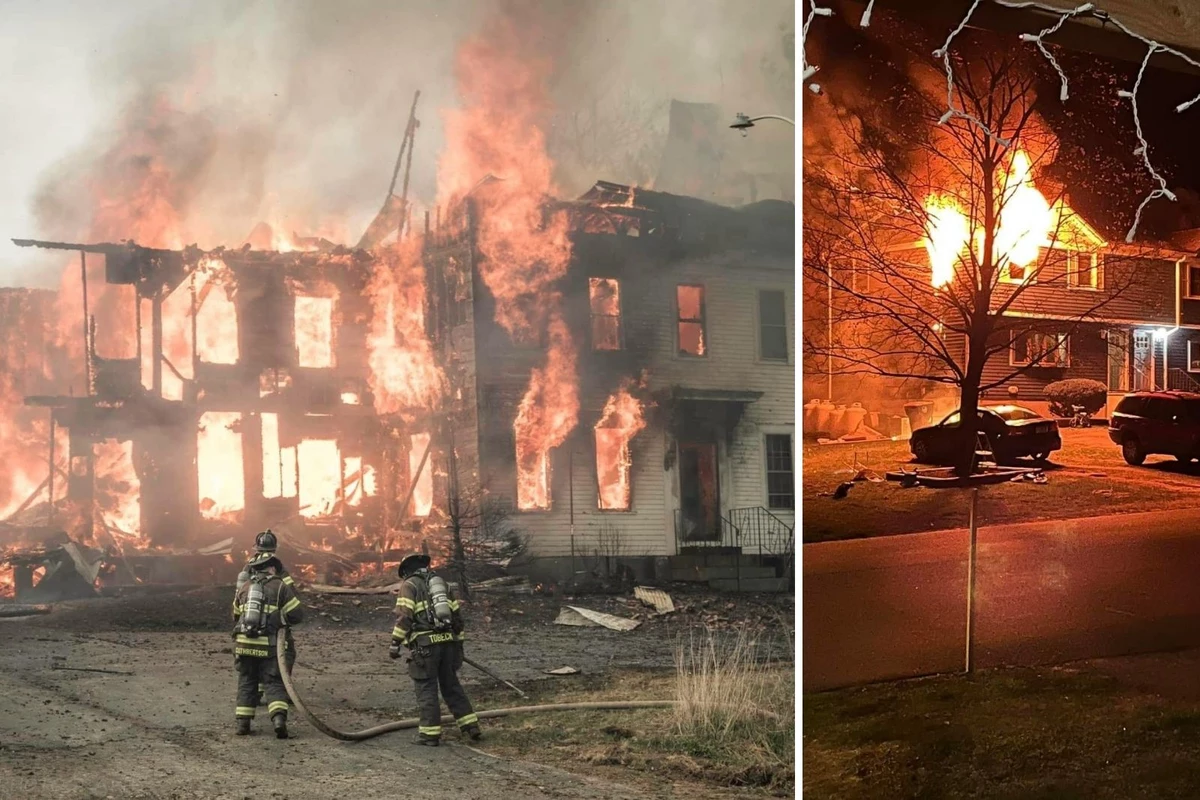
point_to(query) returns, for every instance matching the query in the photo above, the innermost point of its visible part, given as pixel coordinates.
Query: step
(751, 585)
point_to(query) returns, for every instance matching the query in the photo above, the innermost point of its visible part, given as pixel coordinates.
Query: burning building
(651, 409)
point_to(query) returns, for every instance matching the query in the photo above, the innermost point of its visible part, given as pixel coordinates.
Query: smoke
(292, 113)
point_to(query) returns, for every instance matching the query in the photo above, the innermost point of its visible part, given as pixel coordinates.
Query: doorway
(1143, 361)
(699, 492)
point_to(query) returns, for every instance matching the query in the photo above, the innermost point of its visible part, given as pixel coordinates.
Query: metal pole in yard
(973, 526)
(829, 331)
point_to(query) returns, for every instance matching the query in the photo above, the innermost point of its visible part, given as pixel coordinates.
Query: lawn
(1086, 478)
(732, 733)
(1004, 733)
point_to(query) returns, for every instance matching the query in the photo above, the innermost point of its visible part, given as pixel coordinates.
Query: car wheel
(1132, 452)
(920, 452)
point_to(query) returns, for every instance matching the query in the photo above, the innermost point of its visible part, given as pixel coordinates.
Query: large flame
(1024, 224)
(216, 315)
(422, 493)
(524, 248)
(320, 467)
(621, 421)
(117, 491)
(404, 373)
(547, 414)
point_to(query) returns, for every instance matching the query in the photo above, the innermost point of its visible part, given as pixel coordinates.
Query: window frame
(1191, 342)
(758, 327)
(767, 471)
(592, 315)
(1187, 284)
(1096, 269)
(1066, 346)
(702, 320)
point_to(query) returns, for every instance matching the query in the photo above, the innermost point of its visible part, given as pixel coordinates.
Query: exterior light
(1162, 333)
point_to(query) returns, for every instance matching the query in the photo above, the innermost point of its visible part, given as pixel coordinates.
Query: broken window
(605, 297)
(222, 489)
(781, 482)
(689, 302)
(314, 331)
(1039, 349)
(772, 326)
(420, 471)
(621, 421)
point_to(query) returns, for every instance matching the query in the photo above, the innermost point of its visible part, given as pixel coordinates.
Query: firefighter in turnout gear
(257, 606)
(265, 544)
(429, 624)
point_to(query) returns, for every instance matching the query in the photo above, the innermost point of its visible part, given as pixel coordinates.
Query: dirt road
(165, 730)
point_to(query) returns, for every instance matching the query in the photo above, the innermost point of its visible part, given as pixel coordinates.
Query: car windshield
(1013, 413)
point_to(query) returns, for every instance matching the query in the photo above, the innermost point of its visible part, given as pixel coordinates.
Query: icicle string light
(943, 53)
(807, 70)
(1152, 47)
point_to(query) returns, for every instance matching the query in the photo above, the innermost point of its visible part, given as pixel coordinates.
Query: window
(772, 326)
(1023, 273)
(1193, 356)
(781, 483)
(689, 304)
(1083, 270)
(1193, 281)
(604, 295)
(861, 282)
(1039, 349)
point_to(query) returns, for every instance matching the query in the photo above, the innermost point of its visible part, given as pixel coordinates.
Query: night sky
(1095, 127)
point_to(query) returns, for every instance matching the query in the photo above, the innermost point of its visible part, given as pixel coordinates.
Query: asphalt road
(1046, 592)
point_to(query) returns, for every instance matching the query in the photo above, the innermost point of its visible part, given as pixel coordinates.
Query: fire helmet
(266, 542)
(413, 563)
(263, 560)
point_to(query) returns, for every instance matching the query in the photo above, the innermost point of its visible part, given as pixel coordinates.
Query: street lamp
(741, 122)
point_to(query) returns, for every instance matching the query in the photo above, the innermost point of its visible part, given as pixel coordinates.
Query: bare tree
(937, 250)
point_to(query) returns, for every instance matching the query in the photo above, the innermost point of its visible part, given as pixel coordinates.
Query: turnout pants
(436, 666)
(253, 672)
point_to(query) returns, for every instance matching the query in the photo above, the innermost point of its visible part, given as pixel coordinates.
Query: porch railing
(1179, 380)
(762, 532)
(690, 533)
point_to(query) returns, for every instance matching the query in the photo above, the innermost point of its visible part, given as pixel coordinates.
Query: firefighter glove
(394, 650)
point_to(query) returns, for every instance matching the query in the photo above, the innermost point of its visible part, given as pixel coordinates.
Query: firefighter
(257, 607)
(429, 623)
(266, 544)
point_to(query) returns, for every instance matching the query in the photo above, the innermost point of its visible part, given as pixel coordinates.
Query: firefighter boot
(243, 726)
(473, 733)
(280, 722)
(428, 741)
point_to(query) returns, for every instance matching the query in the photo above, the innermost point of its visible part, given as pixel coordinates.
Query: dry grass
(727, 701)
(732, 734)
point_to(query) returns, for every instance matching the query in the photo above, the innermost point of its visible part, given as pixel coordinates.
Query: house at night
(1086, 306)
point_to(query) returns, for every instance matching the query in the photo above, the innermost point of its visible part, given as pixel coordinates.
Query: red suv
(1146, 423)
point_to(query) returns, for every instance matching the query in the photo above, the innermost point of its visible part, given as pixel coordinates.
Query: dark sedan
(1013, 432)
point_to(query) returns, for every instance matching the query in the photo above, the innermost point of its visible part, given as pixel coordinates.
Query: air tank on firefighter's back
(440, 598)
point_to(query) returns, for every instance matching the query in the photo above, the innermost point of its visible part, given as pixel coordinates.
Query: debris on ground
(657, 599)
(585, 617)
(842, 490)
(561, 671)
(506, 584)
(321, 588)
(12, 610)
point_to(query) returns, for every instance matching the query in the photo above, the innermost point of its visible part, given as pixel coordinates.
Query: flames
(1025, 224)
(547, 414)
(219, 465)
(621, 420)
(118, 507)
(314, 331)
(524, 248)
(403, 371)
(216, 315)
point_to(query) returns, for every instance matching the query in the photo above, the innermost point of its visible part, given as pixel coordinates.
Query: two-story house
(693, 304)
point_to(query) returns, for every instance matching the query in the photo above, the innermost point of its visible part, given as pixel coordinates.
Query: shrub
(1076, 392)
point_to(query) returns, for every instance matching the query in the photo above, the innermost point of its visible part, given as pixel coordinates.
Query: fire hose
(408, 724)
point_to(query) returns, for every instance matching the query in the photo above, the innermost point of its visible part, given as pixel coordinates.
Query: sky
(292, 112)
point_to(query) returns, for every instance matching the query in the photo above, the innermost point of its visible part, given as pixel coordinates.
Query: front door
(1143, 361)
(1118, 360)
(699, 496)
